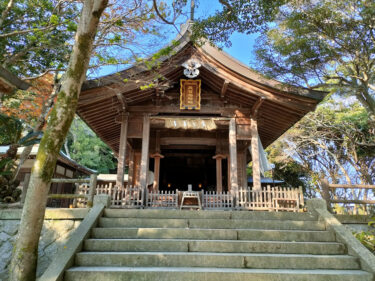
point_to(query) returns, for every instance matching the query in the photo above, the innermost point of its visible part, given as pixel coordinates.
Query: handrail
(327, 187)
(90, 197)
(350, 186)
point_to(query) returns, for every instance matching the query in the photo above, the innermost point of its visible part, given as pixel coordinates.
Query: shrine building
(195, 120)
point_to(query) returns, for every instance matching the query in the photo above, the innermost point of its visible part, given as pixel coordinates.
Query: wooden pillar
(219, 172)
(145, 151)
(157, 157)
(131, 168)
(243, 168)
(255, 154)
(241, 162)
(233, 157)
(122, 151)
(228, 172)
(137, 168)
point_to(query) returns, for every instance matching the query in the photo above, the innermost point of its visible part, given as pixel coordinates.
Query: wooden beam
(233, 157)
(145, 150)
(188, 141)
(256, 107)
(122, 151)
(255, 155)
(227, 111)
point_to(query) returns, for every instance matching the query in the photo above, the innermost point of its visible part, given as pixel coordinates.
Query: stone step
(210, 274)
(220, 260)
(187, 214)
(215, 234)
(211, 223)
(218, 246)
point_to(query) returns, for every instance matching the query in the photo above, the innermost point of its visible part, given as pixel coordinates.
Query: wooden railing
(85, 199)
(129, 197)
(167, 199)
(217, 200)
(271, 199)
(330, 196)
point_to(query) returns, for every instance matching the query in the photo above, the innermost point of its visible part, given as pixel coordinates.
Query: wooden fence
(271, 199)
(217, 200)
(129, 197)
(268, 199)
(162, 199)
(83, 199)
(331, 197)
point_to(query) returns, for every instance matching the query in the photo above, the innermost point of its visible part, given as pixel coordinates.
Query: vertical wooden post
(122, 151)
(219, 172)
(228, 172)
(233, 157)
(90, 199)
(25, 186)
(137, 168)
(157, 157)
(145, 150)
(255, 154)
(131, 168)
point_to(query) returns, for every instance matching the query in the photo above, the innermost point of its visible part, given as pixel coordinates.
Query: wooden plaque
(190, 97)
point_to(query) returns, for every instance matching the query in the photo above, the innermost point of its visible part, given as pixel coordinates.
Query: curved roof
(102, 99)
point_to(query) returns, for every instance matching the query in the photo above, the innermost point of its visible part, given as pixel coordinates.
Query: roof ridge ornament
(191, 68)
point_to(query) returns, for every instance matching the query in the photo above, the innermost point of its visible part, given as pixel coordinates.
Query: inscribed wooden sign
(190, 97)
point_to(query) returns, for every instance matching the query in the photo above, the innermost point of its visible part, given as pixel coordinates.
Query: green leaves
(88, 150)
(35, 35)
(236, 16)
(325, 44)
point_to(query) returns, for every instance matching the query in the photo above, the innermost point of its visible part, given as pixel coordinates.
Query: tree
(336, 142)
(23, 264)
(35, 35)
(288, 169)
(11, 130)
(242, 16)
(32, 48)
(83, 146)
(325, 44)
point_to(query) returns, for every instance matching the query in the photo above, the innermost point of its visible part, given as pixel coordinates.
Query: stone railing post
(325, 193)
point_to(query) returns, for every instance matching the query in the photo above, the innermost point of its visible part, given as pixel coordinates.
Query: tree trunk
(367, 101)
(23, 264)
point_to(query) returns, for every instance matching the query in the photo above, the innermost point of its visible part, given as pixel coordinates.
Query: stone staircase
(171, 245)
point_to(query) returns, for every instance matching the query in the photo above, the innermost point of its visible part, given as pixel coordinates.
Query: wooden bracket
(256, 106)
(121, 117)
(224, 89)
(156, 155)
(218, 156)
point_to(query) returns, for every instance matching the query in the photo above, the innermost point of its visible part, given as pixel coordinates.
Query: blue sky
(241, 48)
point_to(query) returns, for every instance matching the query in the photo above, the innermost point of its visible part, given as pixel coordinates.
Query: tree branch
(18, 32)
(4, 14)
(160, 15)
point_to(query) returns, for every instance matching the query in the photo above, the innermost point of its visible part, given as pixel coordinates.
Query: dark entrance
(182, 167)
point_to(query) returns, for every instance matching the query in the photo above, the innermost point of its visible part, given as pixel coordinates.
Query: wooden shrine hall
(194, 120)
